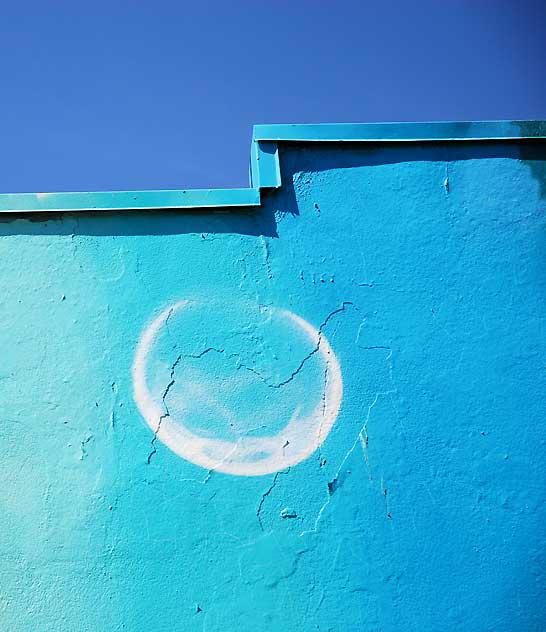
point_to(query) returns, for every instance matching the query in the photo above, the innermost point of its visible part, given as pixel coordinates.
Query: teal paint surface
(422, 265)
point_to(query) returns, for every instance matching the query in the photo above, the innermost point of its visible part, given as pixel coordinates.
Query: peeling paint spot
(287, 512)
(446, 184)
(83, 449)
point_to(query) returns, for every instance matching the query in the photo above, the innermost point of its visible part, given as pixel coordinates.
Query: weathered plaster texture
(424, 266)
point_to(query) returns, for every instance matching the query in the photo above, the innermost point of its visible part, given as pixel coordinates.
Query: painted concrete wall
(327, 414)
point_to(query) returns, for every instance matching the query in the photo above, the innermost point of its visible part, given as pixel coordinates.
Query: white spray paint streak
(294, 443)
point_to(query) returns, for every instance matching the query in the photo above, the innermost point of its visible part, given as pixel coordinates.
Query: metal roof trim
(73, 202)
(402, 132)
(265, 172)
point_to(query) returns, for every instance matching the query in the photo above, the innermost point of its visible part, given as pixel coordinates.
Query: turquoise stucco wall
(393, 292)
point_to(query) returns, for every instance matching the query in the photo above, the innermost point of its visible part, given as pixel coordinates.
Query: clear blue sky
(163, 94)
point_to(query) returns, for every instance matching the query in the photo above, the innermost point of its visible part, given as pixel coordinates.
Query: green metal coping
(264, 165)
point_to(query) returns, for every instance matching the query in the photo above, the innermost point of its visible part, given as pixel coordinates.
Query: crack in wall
(446, 184)
(114, 390)
(82, 446)
(265, 380)
(336, 483)
(267, 255)
(165, 407)
(323, 397)
(266, 494)
(315, 350)
(364, 440)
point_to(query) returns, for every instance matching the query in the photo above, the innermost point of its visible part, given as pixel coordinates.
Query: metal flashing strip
(265, 170)
(402, 132)
(127, 200)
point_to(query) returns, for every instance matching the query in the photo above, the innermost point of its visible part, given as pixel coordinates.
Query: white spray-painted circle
(248, 456)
